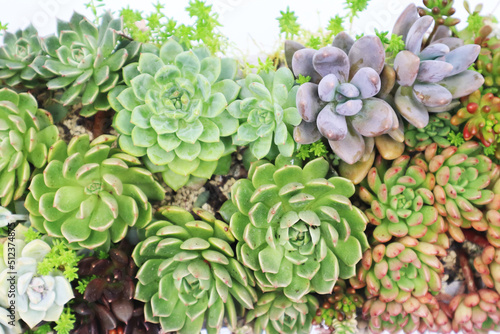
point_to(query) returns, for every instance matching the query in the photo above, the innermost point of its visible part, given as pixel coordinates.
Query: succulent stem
(469, 277)
(474, 237)
(99, 123)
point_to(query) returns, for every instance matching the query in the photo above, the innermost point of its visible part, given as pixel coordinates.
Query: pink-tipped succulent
(481, 115)
(415, 314)
(478, 311)
(488, 266)
(432, 78)
(459, 184)
(401, 204)
(339, 102)
(400, 270)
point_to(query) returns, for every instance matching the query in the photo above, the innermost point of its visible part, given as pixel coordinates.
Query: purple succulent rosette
(433, 78)
(339, 102)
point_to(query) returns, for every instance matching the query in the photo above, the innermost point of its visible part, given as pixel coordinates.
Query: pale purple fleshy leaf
(327, 87)
(348, 90)
(374, 119)
(351, 148)
(306, 133)
(433, 71)
(417, 33)
(343, 41)
(462, 57)
(406, 65)
(331, 60)
(367, 51)
(411, 109)
(307, 101)
(405, 20)
(432, 95)
(367, 81)
(463, 84)
(349, 108)
(434, 51)
(331, 125)
(302, 64)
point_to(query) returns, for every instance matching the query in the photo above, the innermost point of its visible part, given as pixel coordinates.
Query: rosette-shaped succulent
(481, 115)
(87, 60)
(17, 55)
(441, 11)
(26, 134)
(173, 112)
(338, 308)
(459, 182)
(476, 311)
(107, 302)
(188, 273)
(416, 314)
(297, 230)
(400, 203)
(488, 266)
(488, 61)
(37, 297)
(90, 194)
(400, 270)
(436, 131)
(267, 112)
(275, 314)
(491, 219)
(339, 103)
(430, 79)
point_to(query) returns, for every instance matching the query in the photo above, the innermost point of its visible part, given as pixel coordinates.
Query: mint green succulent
(275, 314)
(188, 275)
(26, 134)
(87, 60)
(267, 112)
(19, 55)
(91, 194)
(37, 297)
(172, 112)
(297, 230)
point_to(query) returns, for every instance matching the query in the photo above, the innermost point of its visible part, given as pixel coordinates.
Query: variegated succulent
(433, 78)
(90, 194)
(401, 204)
(275, 314)
(296, 229)
(400, 270)
(267, 112)
(87, 60)
(459, 184)
(172, 112)
(437, 131)
(481, 115)
(26, 134)
(339, 102)
(188, 275)
(20, 54)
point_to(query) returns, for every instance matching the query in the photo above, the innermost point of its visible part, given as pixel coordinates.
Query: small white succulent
(37, 297)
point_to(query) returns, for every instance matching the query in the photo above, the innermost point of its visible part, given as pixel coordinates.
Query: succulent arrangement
(343, 184)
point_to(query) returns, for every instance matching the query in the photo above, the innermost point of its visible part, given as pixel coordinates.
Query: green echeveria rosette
(275, 313)
(87, 60)
(37, 297)
(17, 55)
(436, 131)
(459, 183)
(26, 134)
(267, 112)
(90, 194)
(297, 231)
(188, 274)
(400, 269)
(172, 112)
(400, 202)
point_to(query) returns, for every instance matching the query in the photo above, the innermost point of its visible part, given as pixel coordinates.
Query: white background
(250, 24)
